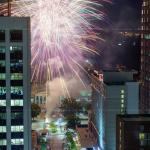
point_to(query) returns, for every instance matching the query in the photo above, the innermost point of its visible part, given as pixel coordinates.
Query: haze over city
(74, 75)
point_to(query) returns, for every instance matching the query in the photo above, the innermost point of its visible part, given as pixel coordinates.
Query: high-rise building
(133, 132)
(15, 108)
(145, 57)
(113, 92)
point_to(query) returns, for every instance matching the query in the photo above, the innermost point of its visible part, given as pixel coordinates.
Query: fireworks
(61, 31)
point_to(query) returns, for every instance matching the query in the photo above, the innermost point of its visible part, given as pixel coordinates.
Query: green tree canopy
(35, 110)
(70, 107)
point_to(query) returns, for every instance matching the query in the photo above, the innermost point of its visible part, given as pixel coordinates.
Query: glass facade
(145, 57)
(13, 90)
(16, 89)
(3, 140)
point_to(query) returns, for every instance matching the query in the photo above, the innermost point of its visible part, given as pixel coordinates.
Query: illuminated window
(147, 36)
(122, 92)
(2, 129)
(17, 90)
(2, 49)
(3, 102)
(16, 76)
(2, 76)
(141, 136)
(17, 128)
(122, 105)
(122, 96)
(2, 90)
(3, 142)
(120, 146)
(122, 110)
(122, 101)
(17, 141)
(142, 20)
(16, 102)
(2, 63)
(142, 139)
(15, 48)
(120, 124)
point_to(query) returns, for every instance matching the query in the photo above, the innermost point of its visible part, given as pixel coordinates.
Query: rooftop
(135, 117)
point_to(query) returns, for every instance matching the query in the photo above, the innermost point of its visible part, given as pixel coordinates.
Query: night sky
(124, 13)
(121, 14)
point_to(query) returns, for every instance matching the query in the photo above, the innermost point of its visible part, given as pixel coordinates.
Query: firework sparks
(60, 33)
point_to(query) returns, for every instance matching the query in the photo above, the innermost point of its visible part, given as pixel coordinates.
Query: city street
(53, 130)
(56, 142)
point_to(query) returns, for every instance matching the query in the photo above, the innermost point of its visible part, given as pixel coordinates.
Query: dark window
(3, 96)
(16, 55)
(2, 36)
(16, 82)
(2, 135)
(2, 68)
(16, 121)
(2, 122)
(17, 109)
(2, 49)
(2, 119)
(16, 66)
(17, 147)
(3, 109)
(2, 56)
(2, 82)
(17, 115)
(16, 52)
(16, 36)
(3, 116)
(3, 147)
(16, 96)
(16, 135)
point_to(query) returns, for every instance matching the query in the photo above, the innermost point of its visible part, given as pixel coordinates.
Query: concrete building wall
(113, 107)
(132, 100)
(118, 99)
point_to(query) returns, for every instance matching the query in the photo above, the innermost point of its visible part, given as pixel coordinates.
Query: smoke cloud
(55, 91)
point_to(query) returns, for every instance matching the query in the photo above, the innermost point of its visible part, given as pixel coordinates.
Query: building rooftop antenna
(9, 7)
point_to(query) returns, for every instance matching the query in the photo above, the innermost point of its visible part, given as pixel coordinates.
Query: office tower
(113, 92)
(133, 132)
(145, 58)
(15, 116)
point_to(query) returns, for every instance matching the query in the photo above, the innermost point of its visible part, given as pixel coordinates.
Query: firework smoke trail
(60, 31)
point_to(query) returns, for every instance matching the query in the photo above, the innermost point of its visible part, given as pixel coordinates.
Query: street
(56, 142)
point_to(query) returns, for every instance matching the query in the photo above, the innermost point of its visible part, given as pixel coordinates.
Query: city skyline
(74, 75)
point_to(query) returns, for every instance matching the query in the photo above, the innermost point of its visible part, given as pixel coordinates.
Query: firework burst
(61, 31)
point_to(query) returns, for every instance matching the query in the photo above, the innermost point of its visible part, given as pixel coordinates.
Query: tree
(35, 110)
(70, 108)
(70, 105)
